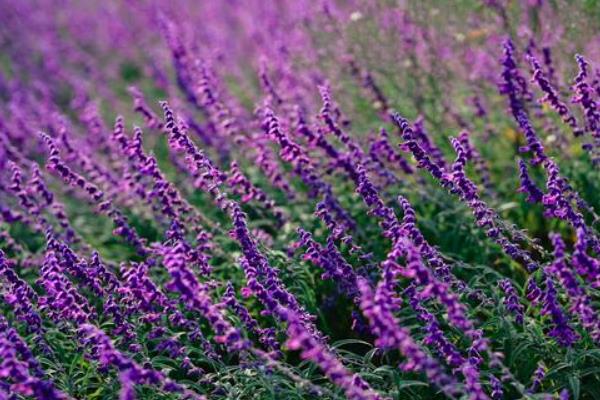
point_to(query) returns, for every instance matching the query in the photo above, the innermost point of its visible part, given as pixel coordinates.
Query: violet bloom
(586, 266)
(302, 336)
(123, 229)
(513, 83)
(294, 154)
(497, 391)
(434, 288)
(376, 163)
(561, 329)
(485, 216)
(181, 57)
(38, 184)
(383, 148)
(20, 296)
(355, 170)
(257, 268)
(243, 187)
(17, 188)
(316, 138)
(411, 144)
(533, 292)
(326, 115)
(560, 193)
(210, 177)
(513, 87)
(551, 96)
(140, 106)
(555, 201)
(139, 294)
(481, 167)
(558, 203)
(299, 338)
(20, 372)
(61, 301)
(98, 173)
(472, 384)
(547, 58)
(197, 296)
(331, 261)
(388, 220)
(480, 110)
(456, 311)
(389, 335)
(434, 334)
(103, 350)
(21, 349)
(267, 85)
(422, 137)
(170, 202)
(193, 78)
(440, 268)
(581, 302)
(266, 160)
(511, 300)
(266, 336)
(538, 376)
(584, 96)
(528, 186)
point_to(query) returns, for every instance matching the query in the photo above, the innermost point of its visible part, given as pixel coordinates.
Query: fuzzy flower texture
(298, 199)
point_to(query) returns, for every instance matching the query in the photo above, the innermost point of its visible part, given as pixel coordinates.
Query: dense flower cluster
(299, 200)
(19, 370)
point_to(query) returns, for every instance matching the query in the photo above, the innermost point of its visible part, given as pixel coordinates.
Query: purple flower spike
(551, 96)
(534, 195)
(511, 300)
(581, 302)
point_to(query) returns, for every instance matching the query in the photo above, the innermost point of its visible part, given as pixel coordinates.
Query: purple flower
(382, 148)
(434, 334)
(581, 303)
(299, 338)
(294, 154)
(196, 295)
(511, 300)
(57, 165)
(331, 261)
(497, 391)
(262, 279)
(538, 376)
(583, 95)
(103, 350)
(561, 330)
(422, 137)
(411, 144)
(389, 335)
(20, 372)
(534, 195)
(585, 265)
(551, 96)
(140, 106)
(265, 335)
(480, 165)
(20, 296)
(209, 177)
(514, 86)
(243, 187)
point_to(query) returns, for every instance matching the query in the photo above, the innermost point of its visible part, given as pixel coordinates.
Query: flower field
(300, 199)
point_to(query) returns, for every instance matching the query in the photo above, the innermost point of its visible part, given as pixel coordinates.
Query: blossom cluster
(303, 200)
